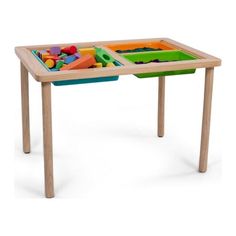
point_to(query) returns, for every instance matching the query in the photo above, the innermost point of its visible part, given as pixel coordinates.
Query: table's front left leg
(25, 108)
(206, 119)
(47, 139)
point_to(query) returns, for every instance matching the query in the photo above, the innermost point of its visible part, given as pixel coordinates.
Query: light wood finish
(91, 44)
(42, 75)
(30, 64)
(47, 139)
(124, 70)
(25, 109)
(206, 119)
(116, 56)
(193, 51)
(161, 106)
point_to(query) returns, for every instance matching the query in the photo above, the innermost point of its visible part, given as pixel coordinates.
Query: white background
(113, 176)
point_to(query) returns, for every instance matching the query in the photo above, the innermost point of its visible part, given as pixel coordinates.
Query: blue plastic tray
(79, 81)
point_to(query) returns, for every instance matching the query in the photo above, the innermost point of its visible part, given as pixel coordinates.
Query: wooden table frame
(30, 64)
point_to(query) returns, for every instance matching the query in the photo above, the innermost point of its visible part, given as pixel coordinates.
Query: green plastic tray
(174, 55)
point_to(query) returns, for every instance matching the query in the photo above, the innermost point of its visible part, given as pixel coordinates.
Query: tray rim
(42, 75)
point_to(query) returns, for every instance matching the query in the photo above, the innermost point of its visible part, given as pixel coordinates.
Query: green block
(63, 55)
(59, 64)
(103, 57)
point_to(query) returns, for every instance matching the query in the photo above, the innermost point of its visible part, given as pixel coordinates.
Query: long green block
(103, 57)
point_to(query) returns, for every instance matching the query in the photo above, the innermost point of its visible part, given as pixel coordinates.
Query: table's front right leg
(25, 109)
(206, 120)
(47, 140)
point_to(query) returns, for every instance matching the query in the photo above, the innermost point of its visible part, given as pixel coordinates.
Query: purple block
(69, 59)
(55, 50)
(77, 55)
(41, 52)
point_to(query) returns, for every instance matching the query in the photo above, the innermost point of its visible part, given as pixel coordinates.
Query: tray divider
(116, 56)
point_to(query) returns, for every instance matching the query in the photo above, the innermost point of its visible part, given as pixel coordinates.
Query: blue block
(69, 59)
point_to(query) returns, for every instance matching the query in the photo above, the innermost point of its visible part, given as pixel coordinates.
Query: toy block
(97, 65)
(59, 64)
(51, 57)
(41, 52)
(85, 51)
(110, 64)
(81, 63)
(50, 63)
(103, 57)
(77, 55)
(55, 50)
(69, 50)
(63, 55)
(44, 55)
(69, 59)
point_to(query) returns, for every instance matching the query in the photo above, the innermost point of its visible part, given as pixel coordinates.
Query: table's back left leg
(161, 106)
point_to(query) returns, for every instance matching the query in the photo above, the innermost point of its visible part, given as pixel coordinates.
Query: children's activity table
(136, 57)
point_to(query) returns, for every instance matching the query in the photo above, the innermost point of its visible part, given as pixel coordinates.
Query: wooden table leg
(161, 106)
(206, 119)
(47, 140)
(25, 109)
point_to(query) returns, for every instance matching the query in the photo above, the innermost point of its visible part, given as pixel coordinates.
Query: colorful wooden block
(53, 57)
(50, 63)
(59, 64)
(41, 52)
(69, 50)
(69, 59)
(55, 50)
(54, 69)
(110, 64)
(77, 54)
(103, 57)
(63, 55)
(44, 55)
(85, 51)
(97, 65)
(81, 63)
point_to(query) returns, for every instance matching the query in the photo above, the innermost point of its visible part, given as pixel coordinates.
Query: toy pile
(144, 49)
(72, 58)
(155, 61)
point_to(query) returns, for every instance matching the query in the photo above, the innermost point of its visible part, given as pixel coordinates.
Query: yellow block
(98, 65)
(44, 55)
(85, 51)
(110, 64)
(50, 63)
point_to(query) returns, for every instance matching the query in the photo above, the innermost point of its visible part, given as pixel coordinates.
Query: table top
(41, 74)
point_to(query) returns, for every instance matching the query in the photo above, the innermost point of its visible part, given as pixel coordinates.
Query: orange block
(43, 55)
(46, 57)
(81, 63)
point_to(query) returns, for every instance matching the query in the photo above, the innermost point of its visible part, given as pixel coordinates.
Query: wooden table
(30, 64)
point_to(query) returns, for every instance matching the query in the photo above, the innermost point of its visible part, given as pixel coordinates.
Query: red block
(69, 50)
